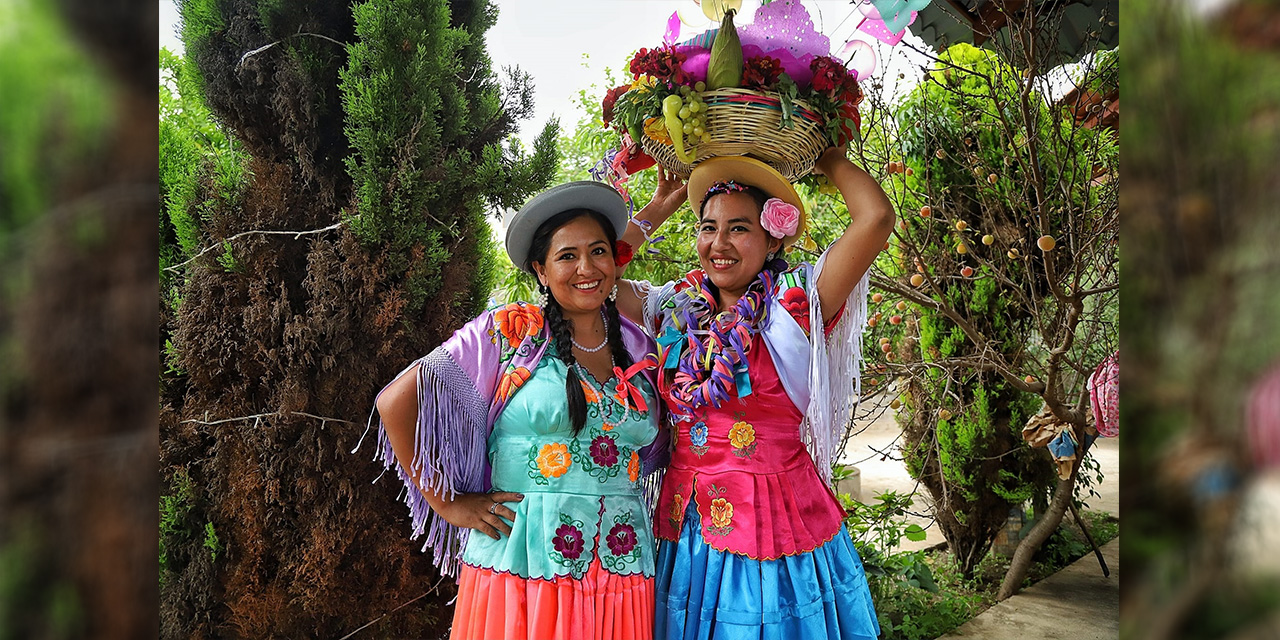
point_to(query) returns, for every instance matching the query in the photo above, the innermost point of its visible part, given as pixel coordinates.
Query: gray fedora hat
(583, 194)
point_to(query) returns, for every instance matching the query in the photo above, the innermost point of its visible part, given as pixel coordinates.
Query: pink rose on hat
(779, 218)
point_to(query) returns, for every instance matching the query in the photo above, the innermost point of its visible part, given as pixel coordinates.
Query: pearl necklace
(602, 343)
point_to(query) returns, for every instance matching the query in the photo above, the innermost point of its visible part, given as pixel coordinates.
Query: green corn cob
(725, 66)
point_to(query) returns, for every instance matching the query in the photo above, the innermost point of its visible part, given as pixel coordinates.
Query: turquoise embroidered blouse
(582, 496)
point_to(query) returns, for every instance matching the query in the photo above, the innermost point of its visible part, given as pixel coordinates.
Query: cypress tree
(382, 124)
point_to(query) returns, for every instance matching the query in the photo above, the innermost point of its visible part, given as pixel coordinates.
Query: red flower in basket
(663, 63)
(849, 110)
(611, 98)
(828, 75)
(797, 304)
(761, 72)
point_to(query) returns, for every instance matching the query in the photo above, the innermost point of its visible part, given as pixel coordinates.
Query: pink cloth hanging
(1262, 416)
(1104, 395)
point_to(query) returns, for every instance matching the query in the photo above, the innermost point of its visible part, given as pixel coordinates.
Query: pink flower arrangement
(779, 218)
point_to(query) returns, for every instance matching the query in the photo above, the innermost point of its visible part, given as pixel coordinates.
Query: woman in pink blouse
(759, 365)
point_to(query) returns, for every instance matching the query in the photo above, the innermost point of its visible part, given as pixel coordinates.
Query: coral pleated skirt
(601, 606)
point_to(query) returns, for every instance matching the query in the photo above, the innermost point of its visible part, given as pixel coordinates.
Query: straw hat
(746, 171)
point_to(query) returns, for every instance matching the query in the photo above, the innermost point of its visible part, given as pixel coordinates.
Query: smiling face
(732, 246)
(578, 266)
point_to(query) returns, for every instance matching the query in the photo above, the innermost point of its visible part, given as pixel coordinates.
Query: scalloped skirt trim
(600, 605)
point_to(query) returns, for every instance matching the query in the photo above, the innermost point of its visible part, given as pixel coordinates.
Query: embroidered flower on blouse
(721, 513)
(591, 394)
(517, 322)
(512, 381)
(698, 434)
(797, 304)
(633, 467)
(568, 541)
(621, 539)
(604, 451)
(553, 460)
(741, 435)
(677, 512)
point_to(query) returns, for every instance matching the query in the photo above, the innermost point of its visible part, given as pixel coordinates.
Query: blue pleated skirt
(704, 594)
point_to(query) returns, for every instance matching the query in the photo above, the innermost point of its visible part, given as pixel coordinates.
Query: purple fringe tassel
(449, 452)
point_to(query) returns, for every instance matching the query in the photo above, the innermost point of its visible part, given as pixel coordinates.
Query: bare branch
(295, 234)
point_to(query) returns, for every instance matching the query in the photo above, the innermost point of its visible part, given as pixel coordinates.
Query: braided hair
(561, 328)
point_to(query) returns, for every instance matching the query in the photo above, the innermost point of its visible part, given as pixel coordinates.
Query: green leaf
(914, 533)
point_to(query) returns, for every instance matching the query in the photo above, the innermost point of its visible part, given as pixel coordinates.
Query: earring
(769, 258)
(546, 293)
(613, 293)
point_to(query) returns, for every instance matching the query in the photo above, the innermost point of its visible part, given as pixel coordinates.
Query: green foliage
(29, 605)
(174, 509)
(425, 118)
(913, 614)
(198, 20)
(211, 541)
(57, 105)
(877, 530)
(199, 166)
(989, 158)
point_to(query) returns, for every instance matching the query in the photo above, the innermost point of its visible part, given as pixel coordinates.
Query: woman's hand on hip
(484, 512)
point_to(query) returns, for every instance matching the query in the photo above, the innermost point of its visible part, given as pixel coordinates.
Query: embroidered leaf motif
(534, 472)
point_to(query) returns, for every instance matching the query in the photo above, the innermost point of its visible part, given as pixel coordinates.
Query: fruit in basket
(671, 111)
(724, 68)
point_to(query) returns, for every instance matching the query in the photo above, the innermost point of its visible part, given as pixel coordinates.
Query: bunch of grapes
(693, 114)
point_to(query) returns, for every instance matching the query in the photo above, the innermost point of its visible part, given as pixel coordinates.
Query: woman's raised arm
(871, 222)
(667, 198)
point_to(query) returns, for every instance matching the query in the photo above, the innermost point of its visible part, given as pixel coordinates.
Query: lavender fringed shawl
(457, 407)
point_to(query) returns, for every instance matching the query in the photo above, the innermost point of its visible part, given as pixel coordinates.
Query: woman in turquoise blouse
(537, 427)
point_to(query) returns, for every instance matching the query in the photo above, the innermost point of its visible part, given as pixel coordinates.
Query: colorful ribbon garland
(710, 367)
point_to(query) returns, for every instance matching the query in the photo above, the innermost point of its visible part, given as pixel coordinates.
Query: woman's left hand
(830, 158)
(670, 194)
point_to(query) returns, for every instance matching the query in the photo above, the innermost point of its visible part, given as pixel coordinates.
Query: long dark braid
(561, 328)
(621, 358)
(562, 337)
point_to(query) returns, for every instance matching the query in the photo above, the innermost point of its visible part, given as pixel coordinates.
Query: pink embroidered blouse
(754, 483)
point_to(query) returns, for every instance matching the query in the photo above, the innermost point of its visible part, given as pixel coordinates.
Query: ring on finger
(493, 507)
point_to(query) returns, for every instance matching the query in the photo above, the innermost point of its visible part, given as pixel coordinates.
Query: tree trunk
(1021, 563)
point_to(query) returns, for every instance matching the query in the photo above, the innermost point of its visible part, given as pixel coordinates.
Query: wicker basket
(743, 122)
